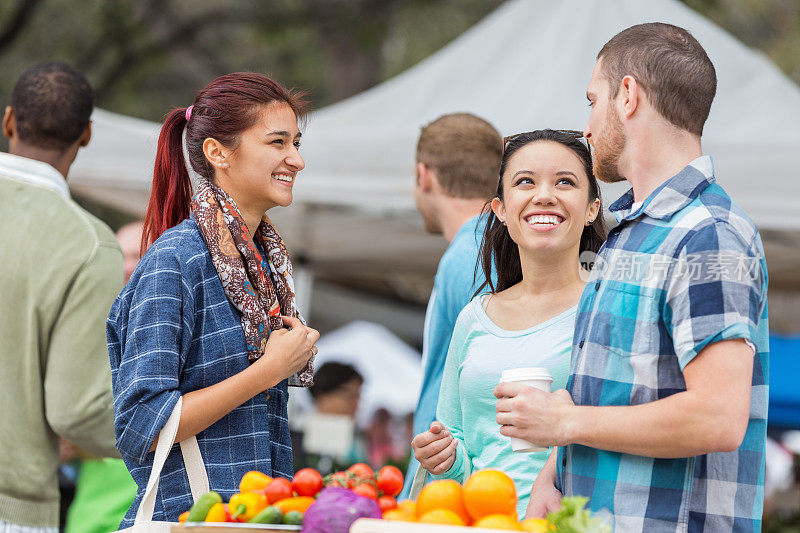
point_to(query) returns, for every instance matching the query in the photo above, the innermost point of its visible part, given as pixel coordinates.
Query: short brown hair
(672, 67)
(465, 152)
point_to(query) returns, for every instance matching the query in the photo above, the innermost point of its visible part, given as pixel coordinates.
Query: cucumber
(293, 518)
(270, 515)
(200, 509)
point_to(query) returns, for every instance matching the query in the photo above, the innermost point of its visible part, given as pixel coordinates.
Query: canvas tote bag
(195, 468)
(421, 479)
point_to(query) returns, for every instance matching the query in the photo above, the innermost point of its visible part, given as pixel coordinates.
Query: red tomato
(307, 482)
(341, 479)
(386, 503)
(361, 470)
(366, 490)
(278, 489)
(390, 480)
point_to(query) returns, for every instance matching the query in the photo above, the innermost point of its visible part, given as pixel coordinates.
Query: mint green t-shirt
(479, 352)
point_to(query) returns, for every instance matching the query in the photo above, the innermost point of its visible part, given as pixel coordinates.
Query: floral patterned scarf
(260, 298)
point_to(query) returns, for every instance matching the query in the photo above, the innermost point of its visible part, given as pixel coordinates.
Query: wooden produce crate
(369, 525)
(223, 527)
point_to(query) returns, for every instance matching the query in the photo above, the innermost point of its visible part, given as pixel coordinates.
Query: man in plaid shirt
(664, 422)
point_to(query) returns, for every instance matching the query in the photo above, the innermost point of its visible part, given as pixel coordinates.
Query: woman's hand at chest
(287, 351)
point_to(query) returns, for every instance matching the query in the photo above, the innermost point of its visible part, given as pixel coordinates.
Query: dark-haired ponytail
(498, 254)
(172, 188)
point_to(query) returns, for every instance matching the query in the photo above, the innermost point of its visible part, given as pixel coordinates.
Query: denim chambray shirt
(171, 331)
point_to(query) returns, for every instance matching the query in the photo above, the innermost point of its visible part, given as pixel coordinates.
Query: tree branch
(17, 23)
(179, 35)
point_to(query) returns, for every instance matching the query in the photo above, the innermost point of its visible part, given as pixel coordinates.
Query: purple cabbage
(336, 509)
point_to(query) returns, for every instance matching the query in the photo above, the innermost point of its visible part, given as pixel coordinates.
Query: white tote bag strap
(195, 468)
(421, 478)
(419, 481)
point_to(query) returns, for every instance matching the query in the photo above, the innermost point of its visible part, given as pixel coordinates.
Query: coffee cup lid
(534, 372)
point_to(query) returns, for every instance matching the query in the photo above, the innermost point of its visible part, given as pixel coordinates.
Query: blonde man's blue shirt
(454, 286)
(682, 271)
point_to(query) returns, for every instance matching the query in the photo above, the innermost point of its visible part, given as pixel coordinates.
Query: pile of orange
(488, 499)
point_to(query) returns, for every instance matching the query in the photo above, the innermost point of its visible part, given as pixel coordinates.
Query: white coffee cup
(536, 377)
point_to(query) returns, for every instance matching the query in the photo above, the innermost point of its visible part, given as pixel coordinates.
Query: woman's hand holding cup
(435, 449)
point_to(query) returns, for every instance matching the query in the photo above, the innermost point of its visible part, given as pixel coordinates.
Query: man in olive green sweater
(60, 270)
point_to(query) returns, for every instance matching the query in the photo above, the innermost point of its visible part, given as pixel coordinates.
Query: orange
(298, 503)
(535, 525)
(398, 515)
(442, 494)
(409, 506)
(498, 521)
(490, 492)
(441, 516)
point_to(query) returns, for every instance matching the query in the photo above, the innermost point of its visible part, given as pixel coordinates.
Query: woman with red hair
(203, 317)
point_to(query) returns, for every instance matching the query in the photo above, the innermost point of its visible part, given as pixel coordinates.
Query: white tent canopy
(524, 67)
(116, 168)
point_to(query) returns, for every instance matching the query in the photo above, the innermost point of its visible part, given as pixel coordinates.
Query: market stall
(359, 185)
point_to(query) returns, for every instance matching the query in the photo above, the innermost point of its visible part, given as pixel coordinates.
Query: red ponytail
(172, 188)
(222, 110)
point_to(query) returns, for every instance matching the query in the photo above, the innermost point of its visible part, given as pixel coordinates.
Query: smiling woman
(245, 114)
(546, 212)
(260, 170)
(548, 183)
(203, 315)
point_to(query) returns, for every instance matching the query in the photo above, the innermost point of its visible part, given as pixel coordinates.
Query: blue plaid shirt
(171, 331)
(682, 271)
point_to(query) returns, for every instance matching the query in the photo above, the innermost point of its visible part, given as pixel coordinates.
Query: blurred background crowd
(144, 57)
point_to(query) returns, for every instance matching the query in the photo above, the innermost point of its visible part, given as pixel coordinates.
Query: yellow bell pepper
(253, 482)
(536, 525)
(298, 503)
(244, 506)
(218, 513)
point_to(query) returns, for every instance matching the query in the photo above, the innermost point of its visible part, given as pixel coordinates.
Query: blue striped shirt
(171, 331)
(682, 271)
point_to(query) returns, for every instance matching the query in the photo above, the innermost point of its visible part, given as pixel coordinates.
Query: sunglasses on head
(572, 133)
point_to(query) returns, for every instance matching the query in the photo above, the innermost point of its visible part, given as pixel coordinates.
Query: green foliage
(145, 56)
(772, 26)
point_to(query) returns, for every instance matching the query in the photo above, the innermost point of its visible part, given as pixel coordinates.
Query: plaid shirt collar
(672, 196)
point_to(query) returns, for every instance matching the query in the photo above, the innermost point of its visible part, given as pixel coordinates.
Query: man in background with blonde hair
(458, 160)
